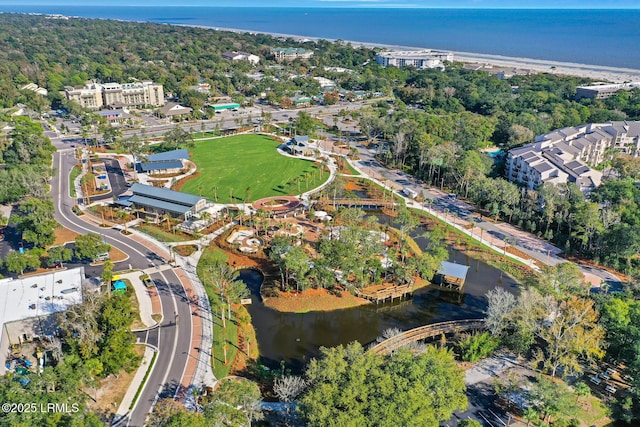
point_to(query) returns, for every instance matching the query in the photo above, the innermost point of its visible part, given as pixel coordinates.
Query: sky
(515, 4)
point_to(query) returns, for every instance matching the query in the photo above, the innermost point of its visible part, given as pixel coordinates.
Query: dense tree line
(26, 154)
(54, 53)
(96, 342)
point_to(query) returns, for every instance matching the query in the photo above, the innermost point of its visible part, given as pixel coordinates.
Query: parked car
(148, 282)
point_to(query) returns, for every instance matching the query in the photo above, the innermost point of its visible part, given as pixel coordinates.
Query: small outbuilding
(451, 275)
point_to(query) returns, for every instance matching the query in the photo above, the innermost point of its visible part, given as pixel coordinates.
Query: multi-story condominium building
(97, 95)
(290, 53)
(241, 56)
(414, 58)
(567, 155)
(602, 91)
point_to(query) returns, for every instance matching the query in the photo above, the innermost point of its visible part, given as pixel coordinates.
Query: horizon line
(335, 6)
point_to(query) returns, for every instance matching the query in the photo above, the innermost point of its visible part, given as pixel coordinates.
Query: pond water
(295, 338)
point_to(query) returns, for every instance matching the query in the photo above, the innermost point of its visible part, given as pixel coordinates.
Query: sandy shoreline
(595, 72)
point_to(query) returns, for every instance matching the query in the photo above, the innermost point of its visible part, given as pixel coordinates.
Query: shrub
(477, 346)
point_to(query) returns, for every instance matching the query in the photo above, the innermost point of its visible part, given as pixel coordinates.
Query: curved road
(172, 337)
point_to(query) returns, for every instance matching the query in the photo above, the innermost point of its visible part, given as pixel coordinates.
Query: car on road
(148, 282)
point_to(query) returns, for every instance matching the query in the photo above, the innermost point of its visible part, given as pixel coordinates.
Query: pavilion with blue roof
(156, 201)
(164, 163)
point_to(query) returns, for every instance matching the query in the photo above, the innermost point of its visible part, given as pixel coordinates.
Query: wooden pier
(381, 293)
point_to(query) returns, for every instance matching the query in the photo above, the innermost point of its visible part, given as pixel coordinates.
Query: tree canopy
(350, 387)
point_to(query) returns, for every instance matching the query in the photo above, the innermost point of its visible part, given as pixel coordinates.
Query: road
(448, 204)
(172, 337)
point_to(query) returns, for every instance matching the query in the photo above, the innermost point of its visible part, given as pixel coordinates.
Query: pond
(297, 337)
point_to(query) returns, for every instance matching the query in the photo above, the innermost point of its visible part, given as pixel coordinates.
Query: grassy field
(243, 162)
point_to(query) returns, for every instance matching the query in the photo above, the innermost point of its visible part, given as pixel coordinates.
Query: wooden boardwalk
(424, 332)
(382, 293)
(371, 203)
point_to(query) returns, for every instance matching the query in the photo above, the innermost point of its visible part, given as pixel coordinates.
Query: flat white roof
(39, 295)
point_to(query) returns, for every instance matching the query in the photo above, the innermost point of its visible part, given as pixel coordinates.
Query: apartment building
(420, 59)
(96, 95)
(290, 53)
(569, 154)
(241, 56)
(603, 90)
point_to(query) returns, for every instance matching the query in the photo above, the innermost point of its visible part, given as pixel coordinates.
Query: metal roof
(166, 164)
(160, 204)
(300, 139)
(168, 155)
(164, 194)
(451, 269)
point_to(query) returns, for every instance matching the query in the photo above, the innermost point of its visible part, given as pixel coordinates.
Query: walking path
(136, 384)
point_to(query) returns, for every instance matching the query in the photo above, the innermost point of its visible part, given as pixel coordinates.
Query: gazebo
(451, 275)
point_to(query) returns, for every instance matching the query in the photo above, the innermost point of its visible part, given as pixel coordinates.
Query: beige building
(568, 154)
(290, 53)
(420, 59)
(97, 95)
(603, 90)
(241, 56)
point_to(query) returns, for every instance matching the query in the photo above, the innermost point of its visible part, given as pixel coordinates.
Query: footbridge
(364, 203)
(427, 331)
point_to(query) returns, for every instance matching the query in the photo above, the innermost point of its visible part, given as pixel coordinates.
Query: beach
(595, 72)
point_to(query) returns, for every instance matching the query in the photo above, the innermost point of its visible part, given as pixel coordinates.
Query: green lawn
(163, 235)
(252, 162)
(75, 172)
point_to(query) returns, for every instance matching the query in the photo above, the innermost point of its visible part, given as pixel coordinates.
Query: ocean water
(598, 37)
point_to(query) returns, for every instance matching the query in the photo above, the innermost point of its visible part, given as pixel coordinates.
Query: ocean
(597, 37)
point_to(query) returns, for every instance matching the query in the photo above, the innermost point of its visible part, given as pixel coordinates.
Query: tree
(177, 138)
(350, 387)
(35, 221)
(552, 398)
(235, 402)
(288, 388)
(570, 332)
(88, 246)
(59, 254)
(499, 309)
(18, 263)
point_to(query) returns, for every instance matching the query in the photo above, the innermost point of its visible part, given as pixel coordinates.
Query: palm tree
(206, 216)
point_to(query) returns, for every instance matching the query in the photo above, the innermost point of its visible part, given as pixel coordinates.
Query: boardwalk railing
(360, 202)
(424, 332)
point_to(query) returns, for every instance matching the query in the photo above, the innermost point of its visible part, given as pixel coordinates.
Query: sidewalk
(136, 383)
(144, 295)
(496, 244)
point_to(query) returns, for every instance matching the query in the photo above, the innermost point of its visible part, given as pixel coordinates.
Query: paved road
(173, 335)
(446, 204)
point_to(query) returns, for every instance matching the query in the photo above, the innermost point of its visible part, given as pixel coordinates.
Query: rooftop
(163, 164)
(168, 155)
(39, 295)
(452, 269)
(164, 194)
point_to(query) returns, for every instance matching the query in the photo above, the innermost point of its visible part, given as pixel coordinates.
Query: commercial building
(290, 53)
(420, 59)
(241, 56)
(568, 154)
(97, 95)
(603, 90)
(155, 202)
(173, 109)
(28, 308)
